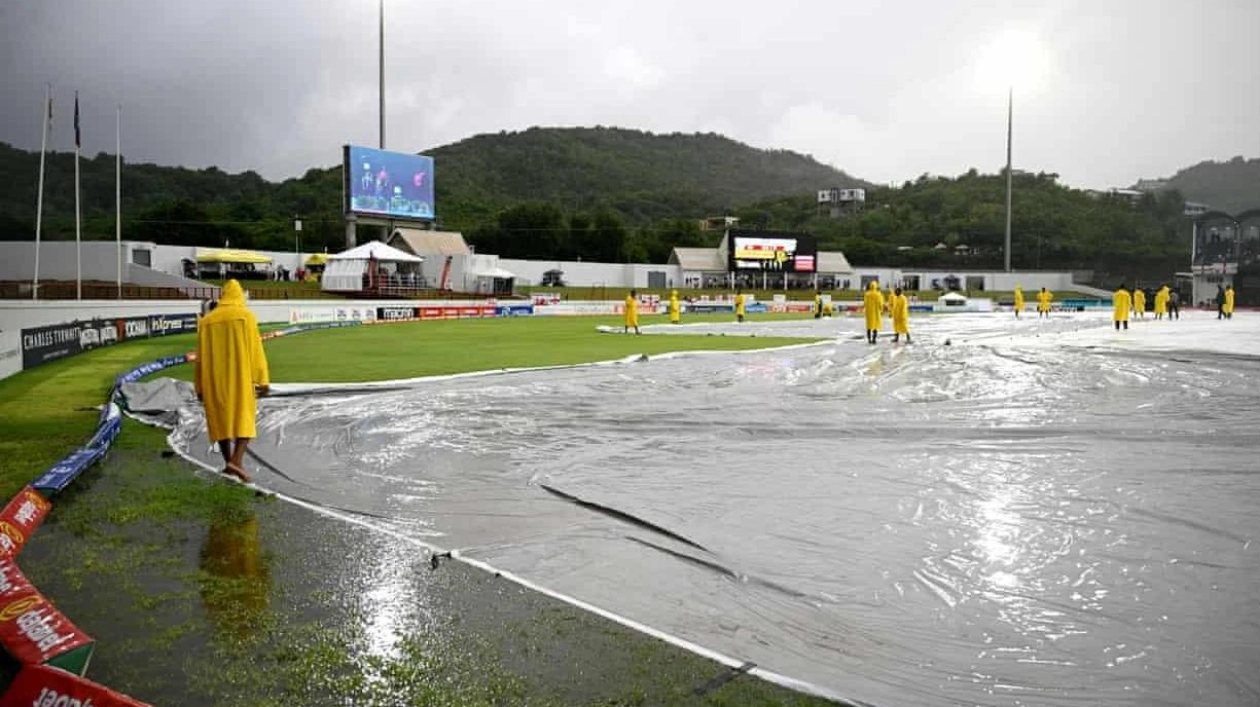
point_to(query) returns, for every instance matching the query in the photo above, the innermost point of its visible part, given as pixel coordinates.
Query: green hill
(1232, 186)
(641, 177)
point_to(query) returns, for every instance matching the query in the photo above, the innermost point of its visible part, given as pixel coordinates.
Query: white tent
(346, 271)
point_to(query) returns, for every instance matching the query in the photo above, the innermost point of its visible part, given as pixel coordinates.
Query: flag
(77, 142)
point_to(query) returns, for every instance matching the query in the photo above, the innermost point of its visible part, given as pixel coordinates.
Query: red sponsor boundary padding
(38, 685)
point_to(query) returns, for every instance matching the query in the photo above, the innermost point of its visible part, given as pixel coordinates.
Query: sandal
(233, 470)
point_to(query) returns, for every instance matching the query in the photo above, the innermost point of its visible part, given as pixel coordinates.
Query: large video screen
(779, 252)
(391, 184)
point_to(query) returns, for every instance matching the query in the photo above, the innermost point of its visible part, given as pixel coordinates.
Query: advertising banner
(38, 686)
(69, 468)
(33, 631)
(20, 518)
(710, 307)
(49, 343)
(514, 310)
(543, 299)
(581, 308)
(397, 314)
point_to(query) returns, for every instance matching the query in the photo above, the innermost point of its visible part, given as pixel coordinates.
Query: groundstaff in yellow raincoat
(739, 306)
(1121, 305)
(872, 308)
(632, 312)
(1229, 302)
(1019, 300)
(675, 309)
(900, 308)
(1161, 302)
(1043, 303)
(229, 368)
(1139, 302)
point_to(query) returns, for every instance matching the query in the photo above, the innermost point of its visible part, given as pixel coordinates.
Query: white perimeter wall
(993, 281)
(584, 274)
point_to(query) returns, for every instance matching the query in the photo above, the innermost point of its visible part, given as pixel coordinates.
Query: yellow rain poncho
(1122, 303)
(632, 312)
(230, 362)
(1139, 301)
(675, 310)
(1019, 299)
(1161, 300)
(900, 314)
(1043, 300)
(739, 305)
(873, 306)
(1229, 300)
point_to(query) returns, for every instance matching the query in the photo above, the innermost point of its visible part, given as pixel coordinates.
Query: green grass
(48, 411)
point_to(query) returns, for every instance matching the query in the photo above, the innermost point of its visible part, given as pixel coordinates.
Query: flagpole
(118, 195)
(39, 207)
(78, 247)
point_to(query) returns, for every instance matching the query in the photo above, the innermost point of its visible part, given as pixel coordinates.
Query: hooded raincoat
(675, 310)
(1161, 300)
(1019, 299)
(900, 314)
(1122, 303)
(230, 362)
(1043, 300)
(873, 306)
(1139, 301)
(1229, 299)
(632, 312)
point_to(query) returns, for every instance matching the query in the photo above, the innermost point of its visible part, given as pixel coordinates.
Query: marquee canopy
(224, 255)
(377, 250)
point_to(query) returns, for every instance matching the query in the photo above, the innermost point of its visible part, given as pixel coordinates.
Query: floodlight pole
(1010, 101)
(382, 86)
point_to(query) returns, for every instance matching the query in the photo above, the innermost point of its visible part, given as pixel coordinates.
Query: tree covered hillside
(639, 177)
(1232, 187)
(924, 222)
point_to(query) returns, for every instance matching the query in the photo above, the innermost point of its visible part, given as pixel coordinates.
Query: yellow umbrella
(231, 256)
(317, 259)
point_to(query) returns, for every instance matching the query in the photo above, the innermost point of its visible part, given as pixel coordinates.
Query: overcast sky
(1106, 91)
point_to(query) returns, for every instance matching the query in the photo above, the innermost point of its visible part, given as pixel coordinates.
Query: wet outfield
(1041, 512)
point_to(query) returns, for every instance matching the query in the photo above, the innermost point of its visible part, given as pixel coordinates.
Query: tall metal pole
(1010, 111)
(118, 195)
(78, 213)
(39, 201)
(382, 86)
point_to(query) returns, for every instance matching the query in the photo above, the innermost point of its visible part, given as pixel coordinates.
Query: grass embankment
(199, 591)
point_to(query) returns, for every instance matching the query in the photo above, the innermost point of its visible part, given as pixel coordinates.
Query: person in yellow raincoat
(1229, 302)
(1019, 300)
(887, 299)
(900, 309)
(229, 372)
(631, 313)
(739, 306)
(675, 309)
(873, 308)
(1139, 303)
(1161, 302)
(818, 305)
(1121, 305)
(1043, 303)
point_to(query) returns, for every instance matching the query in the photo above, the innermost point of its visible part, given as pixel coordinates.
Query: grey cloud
(885, 91)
